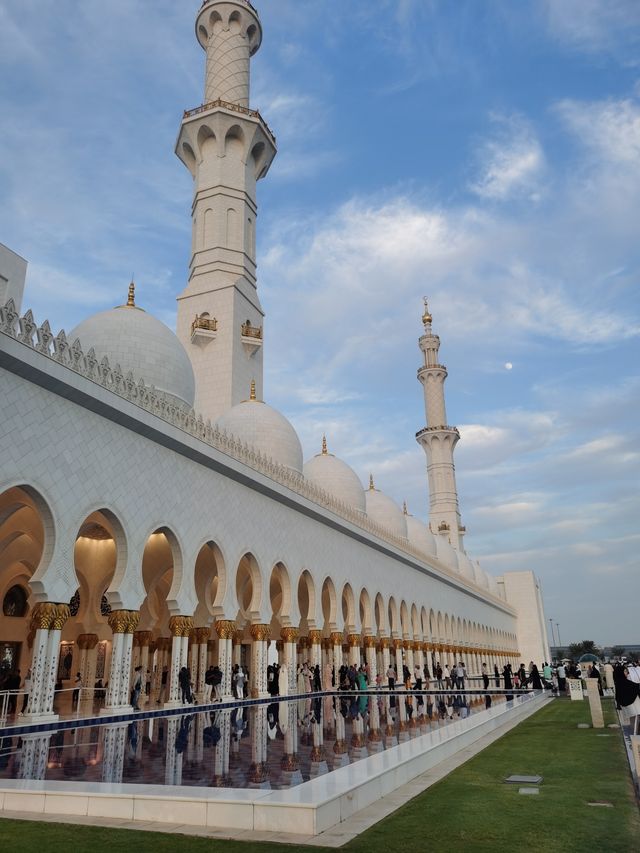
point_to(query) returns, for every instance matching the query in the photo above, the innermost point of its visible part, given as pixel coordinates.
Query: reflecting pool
(274, 745)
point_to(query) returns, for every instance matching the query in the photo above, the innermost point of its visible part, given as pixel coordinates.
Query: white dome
(139, 343)
(334, 476)
(264, 429)
(420, 536)
(466, 567)
(385, 512)
(446, 552)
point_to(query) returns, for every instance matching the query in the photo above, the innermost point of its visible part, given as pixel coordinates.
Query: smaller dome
(446, 553)
(142, 344)
(264, 429)
(466, 567)
(334, 476)
(384, 511)
(420, 536)
(481, 578)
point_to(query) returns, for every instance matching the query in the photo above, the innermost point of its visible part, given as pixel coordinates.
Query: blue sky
(485, 154)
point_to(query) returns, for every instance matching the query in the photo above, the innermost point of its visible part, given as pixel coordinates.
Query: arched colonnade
(175, 611)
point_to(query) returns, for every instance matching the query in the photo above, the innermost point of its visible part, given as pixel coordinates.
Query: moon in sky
(508, 365)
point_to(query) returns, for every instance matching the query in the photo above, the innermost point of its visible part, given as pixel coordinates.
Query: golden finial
(324, 445)
(371, 486)
(426, 317)
(131, 298)
(404, 508)
(252, 390)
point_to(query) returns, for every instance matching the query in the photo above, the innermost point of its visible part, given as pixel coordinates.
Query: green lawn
(469, 810)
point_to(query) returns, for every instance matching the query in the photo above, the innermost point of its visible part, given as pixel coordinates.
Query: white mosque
(156, 511)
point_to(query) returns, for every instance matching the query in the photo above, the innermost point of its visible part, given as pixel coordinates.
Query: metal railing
(249, 331)
(206, 323)
(229, 105)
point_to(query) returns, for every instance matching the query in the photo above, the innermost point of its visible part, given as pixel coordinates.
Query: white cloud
(511, 163)
(610, 128)
(594, 26)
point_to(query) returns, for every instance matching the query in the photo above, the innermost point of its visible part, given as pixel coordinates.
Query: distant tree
(618, 651)
(586, 647)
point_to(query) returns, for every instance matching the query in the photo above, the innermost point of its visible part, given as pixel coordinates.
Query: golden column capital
(43, 615)
(61, 615)
(369, 642)
(336, 638)
(398, 643)
(123, 621)
(132, 621)
(225, 628)
(354, 640)
(260, 632)
(385, 642)
(289, 635)
(180, 626)
(315, 637)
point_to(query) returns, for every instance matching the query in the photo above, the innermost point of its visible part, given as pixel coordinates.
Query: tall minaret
(438, 441)
(227, 147)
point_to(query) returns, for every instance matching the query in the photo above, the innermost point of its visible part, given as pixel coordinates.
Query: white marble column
(398, 646)
(180, 627)
(202, 636)
(225, 629)
(354, 641)
(237, 647)
(315, 648)
(87, 643)
(48, 619)
(289, 636)
(260, 634)
(408, 644)
(123, 623)
(336, 642)
(371, 658)
(386, 658)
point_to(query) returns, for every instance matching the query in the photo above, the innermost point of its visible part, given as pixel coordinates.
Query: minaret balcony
(426, 368)
(432, 429)
(251, 337)
(235, 108)
(203, 329)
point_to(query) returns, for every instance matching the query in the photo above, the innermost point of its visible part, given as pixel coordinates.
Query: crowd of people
(451, 680)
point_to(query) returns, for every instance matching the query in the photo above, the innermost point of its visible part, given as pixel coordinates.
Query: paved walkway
(335, 836)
